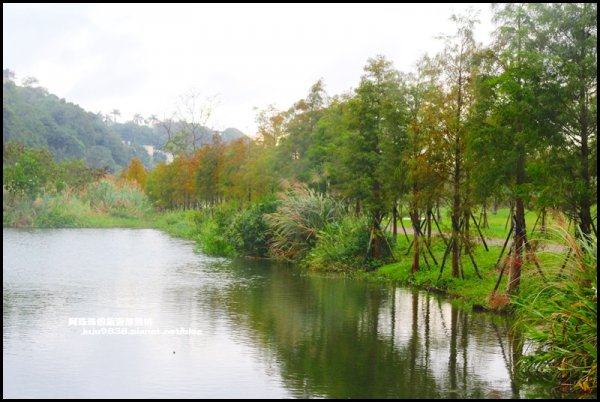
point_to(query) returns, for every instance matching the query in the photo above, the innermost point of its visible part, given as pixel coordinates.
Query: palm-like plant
(296, 223)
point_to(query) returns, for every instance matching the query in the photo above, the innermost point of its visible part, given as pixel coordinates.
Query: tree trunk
(484, 218)
(456, 204)
(514, 279)
(456, 216)
(467, 223)
(414, 215)
(520, 230)
(376, 237)
(543, 224)
(428, 223)
(495, 206)
(395, 223)
(585, 216)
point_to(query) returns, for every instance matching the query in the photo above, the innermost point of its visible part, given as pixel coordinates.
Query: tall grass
(102, 204)
(561, 319)
(296, 223)
(117, 199)
(341, 246)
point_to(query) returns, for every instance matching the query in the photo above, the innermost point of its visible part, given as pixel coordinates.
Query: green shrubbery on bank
(561, 317)
(102, 204)
(316, 232)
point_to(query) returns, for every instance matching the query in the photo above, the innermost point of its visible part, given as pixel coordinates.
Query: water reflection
(339, 338)
(268, 330)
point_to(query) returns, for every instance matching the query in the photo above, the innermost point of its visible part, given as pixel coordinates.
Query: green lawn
(471, 290)
(498, 224)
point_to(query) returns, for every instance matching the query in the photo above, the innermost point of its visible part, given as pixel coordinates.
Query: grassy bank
(103, 204)
(470, 290)
(557, 311)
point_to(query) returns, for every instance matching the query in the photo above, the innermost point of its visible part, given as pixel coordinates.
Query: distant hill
(231, 134)
(34, 117)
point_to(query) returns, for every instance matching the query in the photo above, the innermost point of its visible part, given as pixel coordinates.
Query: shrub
(341, 246)
(249, 232)
(561, 318)
(212, 227)
(298, 220)
(119, 200)
(212, 239)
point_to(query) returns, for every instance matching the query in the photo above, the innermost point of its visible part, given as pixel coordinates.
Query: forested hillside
(36, 118)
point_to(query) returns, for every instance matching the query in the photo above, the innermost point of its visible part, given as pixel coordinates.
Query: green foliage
(561, 319)
(29, 172)
(35, 118)
(75, 174)
(211, 237)
(471, 290)
(61, 211)
(26, 171)
(106, 196)
(212, 227)
(341, 246)
(302, 214)
(72, 208)
(248, 231)
(135, 172)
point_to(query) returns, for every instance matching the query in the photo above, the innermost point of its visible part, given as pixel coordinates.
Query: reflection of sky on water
(267, 330)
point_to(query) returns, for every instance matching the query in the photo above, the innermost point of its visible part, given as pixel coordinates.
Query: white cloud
(139, 58)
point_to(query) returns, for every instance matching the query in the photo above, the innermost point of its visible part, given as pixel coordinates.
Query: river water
(137, 313)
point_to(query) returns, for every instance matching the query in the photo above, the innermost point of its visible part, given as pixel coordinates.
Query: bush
(561, 318)
(212, 227)
(59, 211)
(123, 201)
(212, 240)
(341, 246)
(298, 220)
(249, 232)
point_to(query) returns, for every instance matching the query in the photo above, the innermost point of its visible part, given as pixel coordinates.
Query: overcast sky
(141, 58)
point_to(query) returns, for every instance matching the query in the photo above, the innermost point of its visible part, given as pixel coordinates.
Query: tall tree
(115, 113)
(376, 114)
(455, 72)
(515, 94)
(138, 119)
(571, 30)
(300, 126)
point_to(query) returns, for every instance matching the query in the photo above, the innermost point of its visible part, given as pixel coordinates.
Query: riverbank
(469, 290)
(565, 297)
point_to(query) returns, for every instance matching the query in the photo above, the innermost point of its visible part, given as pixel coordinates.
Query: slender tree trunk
(520, 230)
(514, 279)
(414, 217)
(495, 206)
(376, 246)
(585, 216)
(377, 217)
(437, 210)
(395, 223)
(456, 204)
(456, 213)
(543, 223)
(484, 224)
(376, 235)
(466, 206)
(357, 208)
(467, 222)
(428, 223)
